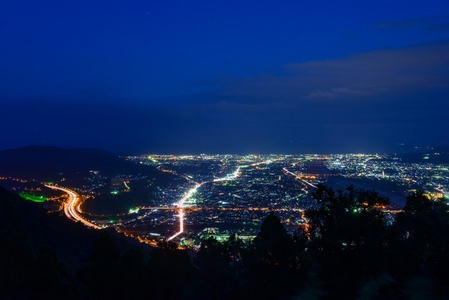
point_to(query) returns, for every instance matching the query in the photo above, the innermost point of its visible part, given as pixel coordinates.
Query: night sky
(224, 76)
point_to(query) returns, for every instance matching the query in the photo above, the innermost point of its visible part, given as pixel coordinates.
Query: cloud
(431, 23)
(383, 72)
(341, 92)
(437, 27)
(376, 98)
(402, 23)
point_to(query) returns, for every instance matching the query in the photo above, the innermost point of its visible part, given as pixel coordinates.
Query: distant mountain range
(46, 163)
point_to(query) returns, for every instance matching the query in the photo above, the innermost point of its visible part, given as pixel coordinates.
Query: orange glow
(69, 207)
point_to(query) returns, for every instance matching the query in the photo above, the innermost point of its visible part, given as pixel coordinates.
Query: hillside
(41, 253)
(26, 222)
(45, 163)
(89, 171)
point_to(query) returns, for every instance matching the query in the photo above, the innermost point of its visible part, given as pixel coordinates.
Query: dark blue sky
(224, 76)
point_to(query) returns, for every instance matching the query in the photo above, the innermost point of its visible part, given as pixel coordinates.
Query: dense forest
(348, 250)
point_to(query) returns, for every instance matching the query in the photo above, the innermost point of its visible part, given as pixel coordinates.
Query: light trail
(394, 211)
(124, 182)
(69, 207)
(190, 193)
(181, 209)
(193, 190)
(297, 177)
(229, 177)
(226, 208)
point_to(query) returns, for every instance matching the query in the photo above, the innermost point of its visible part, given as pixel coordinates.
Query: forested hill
(348, 250)
(25, 222)
(41, 253)
(53, 163)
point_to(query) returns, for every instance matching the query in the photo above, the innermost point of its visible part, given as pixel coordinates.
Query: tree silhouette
(347, 234)
(235, 247)
(132, 275)
(347, 251)
(170, 270)
(100, 276)
(16, 255)
(271, 263)
(420, 240)
(216, 276)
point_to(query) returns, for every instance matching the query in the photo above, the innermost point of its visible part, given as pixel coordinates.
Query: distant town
(219, 195)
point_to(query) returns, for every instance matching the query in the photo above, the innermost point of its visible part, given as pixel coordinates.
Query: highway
(193, 190)
(181, 209)
(69, 207)
(297, 177)
(190, 193)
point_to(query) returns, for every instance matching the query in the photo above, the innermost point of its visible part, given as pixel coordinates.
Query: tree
(235, 247)
(216, 276)
(132, 275)
(271, 263)
(170, 271)
(100, 275)
(420, 240)
(347, 234)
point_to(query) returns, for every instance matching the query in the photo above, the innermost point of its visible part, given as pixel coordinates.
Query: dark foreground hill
(28, 221)
(86, 169)
(40, 253)
(46, 256)
(46, 163)
(349, 250)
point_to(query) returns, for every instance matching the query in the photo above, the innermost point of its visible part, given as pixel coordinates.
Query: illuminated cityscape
(218, 195)
(224, 150)
(232, 193)
(224, 202)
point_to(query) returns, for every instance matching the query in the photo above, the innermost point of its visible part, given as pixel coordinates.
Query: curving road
(193, 190)
(69, 207)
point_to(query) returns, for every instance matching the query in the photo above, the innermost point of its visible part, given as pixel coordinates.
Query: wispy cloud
(437, 27)
(340, 92)
(379, 72)
(402, 23)
(435, 23)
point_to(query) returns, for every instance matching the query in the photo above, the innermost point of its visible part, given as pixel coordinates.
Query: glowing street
(69, 207)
